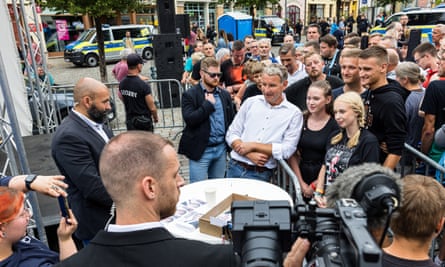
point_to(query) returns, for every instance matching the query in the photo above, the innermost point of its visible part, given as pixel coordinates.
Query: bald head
(87, 87)
(92, 99)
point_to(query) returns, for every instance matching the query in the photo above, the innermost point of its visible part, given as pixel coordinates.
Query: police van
(274, 23)
(84, 51)
(422, 19)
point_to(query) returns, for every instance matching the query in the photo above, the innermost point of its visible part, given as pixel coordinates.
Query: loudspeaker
(415, 36)
(182, 22)
(169, 65)
(166, 15)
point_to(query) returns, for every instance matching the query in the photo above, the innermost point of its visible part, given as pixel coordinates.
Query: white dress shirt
(258, 121)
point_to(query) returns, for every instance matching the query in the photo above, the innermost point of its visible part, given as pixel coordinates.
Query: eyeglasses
(419, 58)
(213, 74)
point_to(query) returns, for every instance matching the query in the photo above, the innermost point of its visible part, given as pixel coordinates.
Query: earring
(3, 234)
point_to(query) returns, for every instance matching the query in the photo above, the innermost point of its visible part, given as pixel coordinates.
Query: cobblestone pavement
(170, 120)
(170, 126)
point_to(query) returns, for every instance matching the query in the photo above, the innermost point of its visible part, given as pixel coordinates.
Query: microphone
(374, 187)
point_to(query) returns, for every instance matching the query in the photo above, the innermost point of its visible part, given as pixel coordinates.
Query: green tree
(99, 10)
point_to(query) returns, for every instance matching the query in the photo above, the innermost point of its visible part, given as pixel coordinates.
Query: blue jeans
(237, 171)
(211, 165)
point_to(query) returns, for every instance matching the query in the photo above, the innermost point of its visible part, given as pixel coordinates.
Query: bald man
(76, 147)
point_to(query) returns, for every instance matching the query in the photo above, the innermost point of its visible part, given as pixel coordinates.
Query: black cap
(134, 59)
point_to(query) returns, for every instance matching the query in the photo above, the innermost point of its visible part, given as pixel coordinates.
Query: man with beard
(76, 147)
(207, 111)
(209, 51)
(330, 55)
(296, 93)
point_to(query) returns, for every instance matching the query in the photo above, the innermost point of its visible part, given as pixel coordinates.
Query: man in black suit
(145, 192)
(207, 111)
(76, 148)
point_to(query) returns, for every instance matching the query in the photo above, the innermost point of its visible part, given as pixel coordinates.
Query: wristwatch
(29, 180)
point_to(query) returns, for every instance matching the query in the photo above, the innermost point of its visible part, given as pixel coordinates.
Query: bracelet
(319, 190)
(313, 186)
(318, 194)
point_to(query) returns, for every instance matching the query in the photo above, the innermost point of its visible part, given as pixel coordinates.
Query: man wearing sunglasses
(207, 111)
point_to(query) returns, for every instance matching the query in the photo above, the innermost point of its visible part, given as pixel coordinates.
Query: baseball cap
(134, 59)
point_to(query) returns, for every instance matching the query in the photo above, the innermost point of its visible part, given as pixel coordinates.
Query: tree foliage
(99, 10)
(250, 3)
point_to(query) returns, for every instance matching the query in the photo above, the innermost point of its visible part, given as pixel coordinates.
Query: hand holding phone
(64, 206)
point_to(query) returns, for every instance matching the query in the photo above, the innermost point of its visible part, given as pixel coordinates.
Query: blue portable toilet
(237, 23)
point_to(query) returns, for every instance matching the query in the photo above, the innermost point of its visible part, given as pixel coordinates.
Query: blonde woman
(352, 145)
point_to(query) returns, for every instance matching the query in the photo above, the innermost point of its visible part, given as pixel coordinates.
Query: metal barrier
(167, 94)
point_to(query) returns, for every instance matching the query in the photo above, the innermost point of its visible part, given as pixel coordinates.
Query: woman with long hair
(222, 42)
(351, 145)
(18, 249)
(318, 125)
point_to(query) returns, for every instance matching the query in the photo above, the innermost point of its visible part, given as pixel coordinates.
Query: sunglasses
(213, 74)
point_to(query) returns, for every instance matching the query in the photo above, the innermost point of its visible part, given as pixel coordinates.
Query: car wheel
(91, 60)
(147, 53)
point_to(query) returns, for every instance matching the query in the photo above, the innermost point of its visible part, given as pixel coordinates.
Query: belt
(213, 145)
(251, 167)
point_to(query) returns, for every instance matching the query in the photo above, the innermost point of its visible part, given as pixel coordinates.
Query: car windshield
(86, 35)
(276, 22)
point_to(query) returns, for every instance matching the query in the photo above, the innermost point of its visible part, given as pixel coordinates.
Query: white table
(192, 202)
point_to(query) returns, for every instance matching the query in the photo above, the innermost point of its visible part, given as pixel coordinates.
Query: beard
(96, 115)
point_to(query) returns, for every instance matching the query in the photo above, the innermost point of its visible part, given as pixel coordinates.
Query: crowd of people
(326, 106)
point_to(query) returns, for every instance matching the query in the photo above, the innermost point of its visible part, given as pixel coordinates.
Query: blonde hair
(355, 102)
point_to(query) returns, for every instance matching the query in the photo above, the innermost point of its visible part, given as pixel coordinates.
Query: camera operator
(344, 187)
(416, 223)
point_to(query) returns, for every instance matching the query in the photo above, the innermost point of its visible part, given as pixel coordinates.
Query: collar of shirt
(133, 227)
(90, 123)
(215, 91)
(283, 104)
(98, 127)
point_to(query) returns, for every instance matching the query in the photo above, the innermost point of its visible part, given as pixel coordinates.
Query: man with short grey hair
(266, 128)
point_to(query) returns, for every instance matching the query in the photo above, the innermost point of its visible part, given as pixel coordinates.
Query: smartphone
(64, 206)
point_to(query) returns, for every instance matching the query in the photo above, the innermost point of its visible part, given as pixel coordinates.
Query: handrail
(294, 179)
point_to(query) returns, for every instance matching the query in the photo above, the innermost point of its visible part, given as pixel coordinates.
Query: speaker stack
(168, 50)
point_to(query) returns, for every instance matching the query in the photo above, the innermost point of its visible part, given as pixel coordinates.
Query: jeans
(237, 171)
(211, 165)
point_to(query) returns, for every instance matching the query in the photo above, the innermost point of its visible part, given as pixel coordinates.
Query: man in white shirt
(295, 69)
(266, 128)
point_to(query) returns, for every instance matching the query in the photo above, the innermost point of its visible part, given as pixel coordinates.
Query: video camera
(263, 230)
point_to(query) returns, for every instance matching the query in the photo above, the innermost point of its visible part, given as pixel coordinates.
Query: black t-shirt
(133, 91)
(251, 90)
(339, 157)
(296, 93)
(434, 102)
(392, 261)
(312, 148)
(340, 90)
(195, 72)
